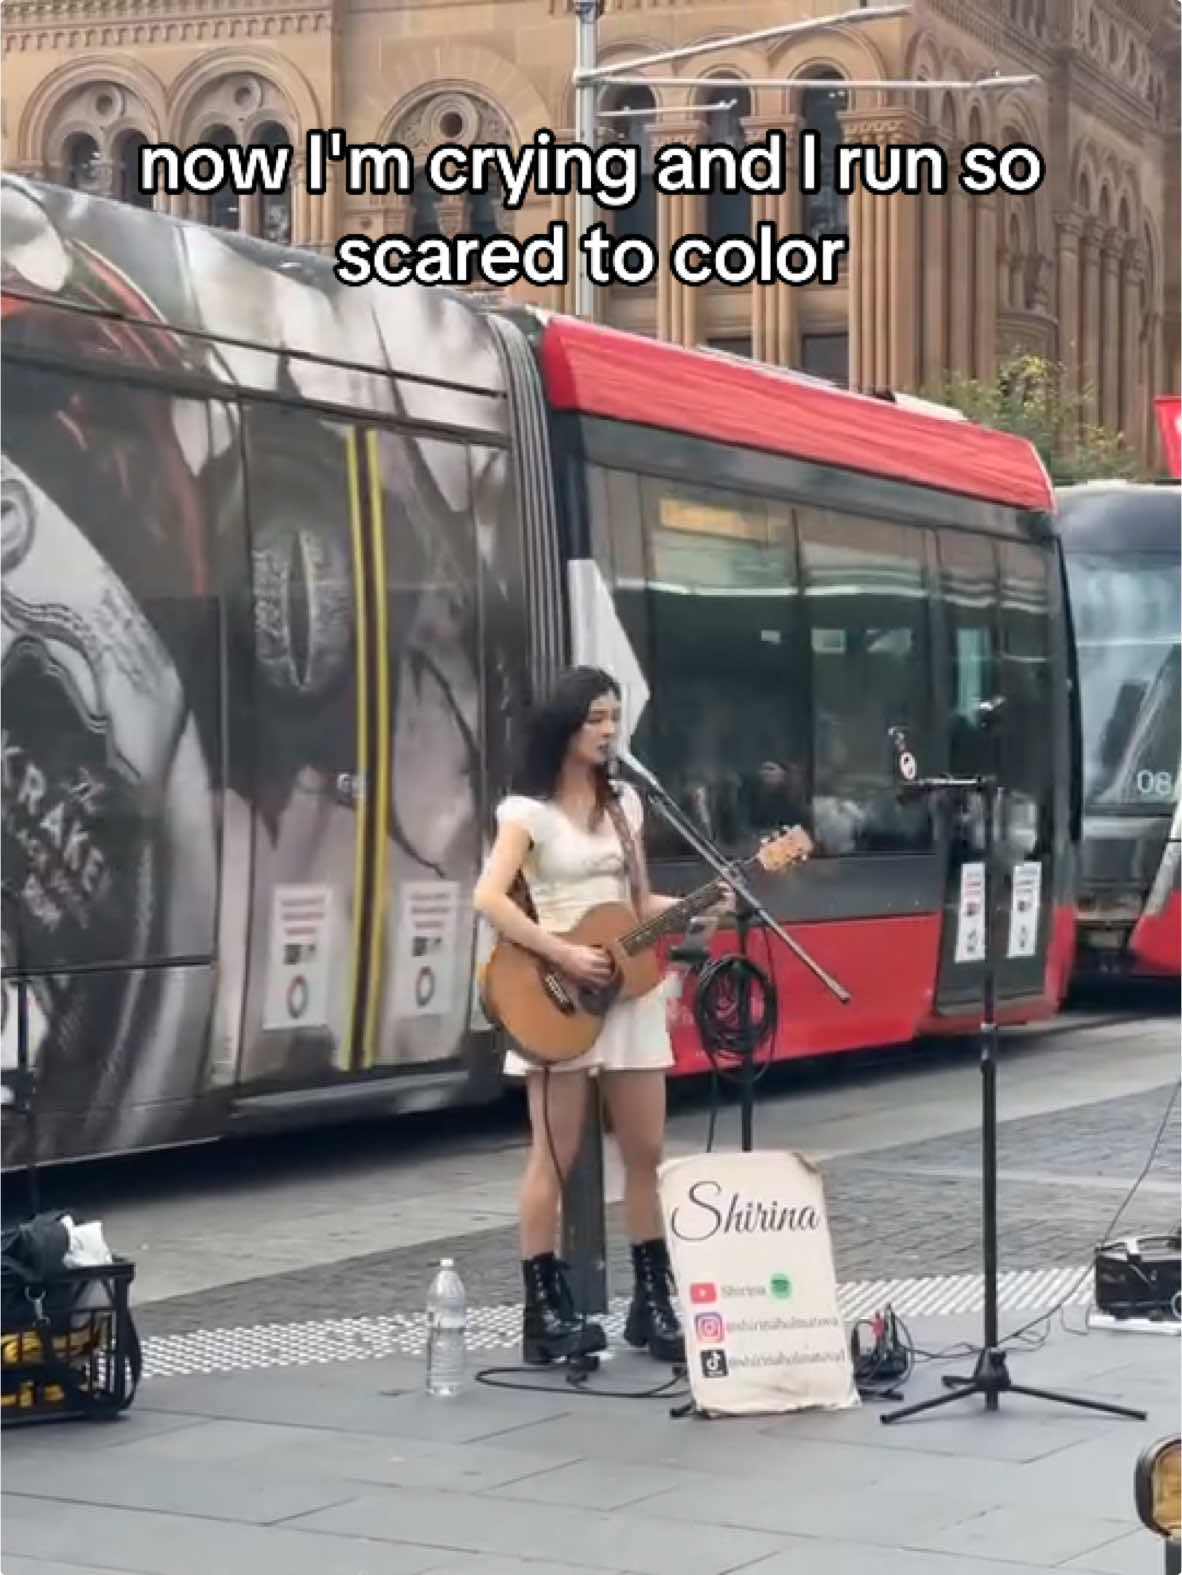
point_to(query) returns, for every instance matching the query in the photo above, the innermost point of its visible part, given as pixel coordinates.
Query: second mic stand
(747, 908)
(990, 1376)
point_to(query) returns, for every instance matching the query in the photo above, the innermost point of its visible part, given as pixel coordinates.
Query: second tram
(1123, 548)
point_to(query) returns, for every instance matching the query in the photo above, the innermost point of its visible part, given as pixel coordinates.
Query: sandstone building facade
(1085, 269)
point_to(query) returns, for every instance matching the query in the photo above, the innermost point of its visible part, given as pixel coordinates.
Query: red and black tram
(283, 563)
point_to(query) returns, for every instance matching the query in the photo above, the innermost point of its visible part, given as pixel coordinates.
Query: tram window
(729, 707)
(1026, 729)
(968, 573)
(1127, 613)
(617, 545)
(868, 629)
(111, 693)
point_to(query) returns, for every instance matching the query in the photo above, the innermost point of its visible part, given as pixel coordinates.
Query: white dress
(569, 870)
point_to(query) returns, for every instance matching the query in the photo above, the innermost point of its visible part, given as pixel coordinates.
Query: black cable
(966, 1348)
(716, 1006)
(1109, 1228)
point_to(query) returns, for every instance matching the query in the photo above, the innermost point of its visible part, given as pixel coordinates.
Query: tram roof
(1117, 516)
(604, 372)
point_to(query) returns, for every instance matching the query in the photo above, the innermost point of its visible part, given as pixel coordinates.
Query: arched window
(127, 170)
(641, 218)
(727, 213)
(274, 207)
(484, 215)
(424, 218)
(80, 161)
(824, 210)
(224, 207)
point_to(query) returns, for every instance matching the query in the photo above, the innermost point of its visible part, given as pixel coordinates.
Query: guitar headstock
(792, 846)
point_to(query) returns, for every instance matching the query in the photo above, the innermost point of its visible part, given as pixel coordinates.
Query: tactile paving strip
(206, 1351)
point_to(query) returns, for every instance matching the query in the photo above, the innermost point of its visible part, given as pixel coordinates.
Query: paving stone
(1025, 1532)
(167, 1488)
(604, 1541)
(150, 1544)
(1137, 1553)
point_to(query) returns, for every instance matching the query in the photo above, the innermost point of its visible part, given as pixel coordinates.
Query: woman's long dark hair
(550, 728)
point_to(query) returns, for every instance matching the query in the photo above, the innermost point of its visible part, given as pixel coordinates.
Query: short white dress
(570, 869)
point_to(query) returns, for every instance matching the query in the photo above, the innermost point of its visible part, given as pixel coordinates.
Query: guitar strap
(627, 842)
(520, 894)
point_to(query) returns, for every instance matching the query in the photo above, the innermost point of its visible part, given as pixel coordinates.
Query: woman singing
(558, 831)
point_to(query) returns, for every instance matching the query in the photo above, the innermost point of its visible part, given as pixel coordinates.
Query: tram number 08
(1156, 784)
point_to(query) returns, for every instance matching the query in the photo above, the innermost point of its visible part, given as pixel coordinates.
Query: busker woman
(561, 830)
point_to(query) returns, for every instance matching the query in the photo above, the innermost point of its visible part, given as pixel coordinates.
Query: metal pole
(836, 84)
(587, 13)
(584, 1213)
(812, 24)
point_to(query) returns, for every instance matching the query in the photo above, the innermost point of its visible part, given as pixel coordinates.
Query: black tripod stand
(747, 1038)
(990, 1376)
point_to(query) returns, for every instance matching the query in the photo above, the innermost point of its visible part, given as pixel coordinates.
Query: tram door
(304, 709)
(997, 610)
(425, 824)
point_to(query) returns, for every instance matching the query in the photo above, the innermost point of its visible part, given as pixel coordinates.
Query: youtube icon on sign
(703, 1291)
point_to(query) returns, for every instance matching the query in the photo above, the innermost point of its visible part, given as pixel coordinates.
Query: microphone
(626, 765)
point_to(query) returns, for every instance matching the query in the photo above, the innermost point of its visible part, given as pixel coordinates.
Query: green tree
(1029, 397)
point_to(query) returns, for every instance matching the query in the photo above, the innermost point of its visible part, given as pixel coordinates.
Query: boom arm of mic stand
(672, 815)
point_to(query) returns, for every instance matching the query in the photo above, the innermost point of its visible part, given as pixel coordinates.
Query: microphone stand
(990, 1376)
(747, 908)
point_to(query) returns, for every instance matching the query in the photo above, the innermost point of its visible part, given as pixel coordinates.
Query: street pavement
(284, 1420)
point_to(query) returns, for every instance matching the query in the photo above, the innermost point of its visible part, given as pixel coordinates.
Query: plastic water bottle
(447, 1324)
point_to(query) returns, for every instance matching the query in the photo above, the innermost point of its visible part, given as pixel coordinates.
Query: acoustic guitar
(552, 1018)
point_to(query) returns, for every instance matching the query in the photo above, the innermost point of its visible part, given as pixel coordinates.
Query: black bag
(68, 1342)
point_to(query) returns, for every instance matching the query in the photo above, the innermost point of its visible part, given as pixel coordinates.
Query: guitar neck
(673, 919)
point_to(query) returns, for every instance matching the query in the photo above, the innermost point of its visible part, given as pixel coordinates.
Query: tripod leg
(930, 1405)
(1078, 1400)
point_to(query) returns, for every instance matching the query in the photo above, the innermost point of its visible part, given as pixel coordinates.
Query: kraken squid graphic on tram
(263, 655)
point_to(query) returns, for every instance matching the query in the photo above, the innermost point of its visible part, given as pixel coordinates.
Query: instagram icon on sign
(709, 1328)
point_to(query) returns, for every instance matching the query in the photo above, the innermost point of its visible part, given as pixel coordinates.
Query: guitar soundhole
(597, 999)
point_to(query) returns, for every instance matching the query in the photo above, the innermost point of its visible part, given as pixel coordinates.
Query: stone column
(960, 307)
(1149, 384)
(775, 328)
(1110, 313)
(677, 215)
(935, 281)
(1130, 310)
(984, 317)
(884, 298)
(299, 201)
(1089, 326)
(1067, 230)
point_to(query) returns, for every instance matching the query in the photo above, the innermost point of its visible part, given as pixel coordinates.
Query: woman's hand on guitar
(587, 964)
(727, 902)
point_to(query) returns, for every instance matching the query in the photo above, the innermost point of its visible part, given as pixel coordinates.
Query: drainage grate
(327, 1340)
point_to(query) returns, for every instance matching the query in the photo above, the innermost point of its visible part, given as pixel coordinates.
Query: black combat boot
(652, 1319)
(551, 1328)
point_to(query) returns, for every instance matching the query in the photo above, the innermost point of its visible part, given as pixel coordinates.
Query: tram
(284, 561)
(1123, 548)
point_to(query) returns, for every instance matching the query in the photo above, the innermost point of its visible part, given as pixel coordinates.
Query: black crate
(68, 1349)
